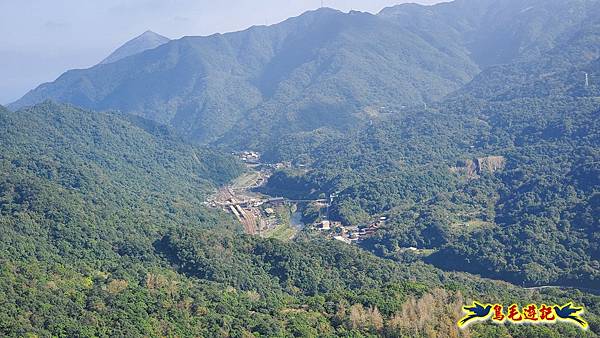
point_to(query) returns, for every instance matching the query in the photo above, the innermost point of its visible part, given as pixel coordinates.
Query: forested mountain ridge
(532, 222)
(104, 234)
(64, 168)
(320, 61)
(324, 70)
(500, 32)
(559, 70)
(540, 115)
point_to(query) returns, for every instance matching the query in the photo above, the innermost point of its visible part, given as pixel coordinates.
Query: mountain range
(471, 127)
(323, 69)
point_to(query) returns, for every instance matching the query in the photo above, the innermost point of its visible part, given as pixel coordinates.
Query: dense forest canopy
(104, 234)
(532, 221)
(472, 126)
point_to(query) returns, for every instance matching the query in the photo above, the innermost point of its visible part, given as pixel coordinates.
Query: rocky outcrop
(472, 168)
(490, 164)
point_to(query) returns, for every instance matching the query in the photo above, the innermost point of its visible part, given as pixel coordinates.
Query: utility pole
(332, 196)
(587, 80)
(321, 3)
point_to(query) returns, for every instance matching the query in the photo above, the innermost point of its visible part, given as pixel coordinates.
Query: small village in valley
(279, 217)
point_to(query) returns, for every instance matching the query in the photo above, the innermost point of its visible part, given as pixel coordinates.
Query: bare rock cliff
(475, 167)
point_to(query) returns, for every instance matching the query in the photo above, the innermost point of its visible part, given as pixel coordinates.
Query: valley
(260, 214)
(279, 217)
(336, 174)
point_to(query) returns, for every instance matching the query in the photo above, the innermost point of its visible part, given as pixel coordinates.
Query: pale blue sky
(41, 38)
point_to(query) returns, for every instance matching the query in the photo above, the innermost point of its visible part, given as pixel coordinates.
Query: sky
(41, 39)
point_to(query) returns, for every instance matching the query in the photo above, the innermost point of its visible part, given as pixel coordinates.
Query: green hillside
(472, 126)
(76, 179)
(532, 220)
(104, 234)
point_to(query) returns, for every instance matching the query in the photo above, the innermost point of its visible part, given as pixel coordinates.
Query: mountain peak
(143, 42)
(150, 33)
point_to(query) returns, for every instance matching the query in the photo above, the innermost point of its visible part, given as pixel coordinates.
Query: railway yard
(278, 217)
(259, 214)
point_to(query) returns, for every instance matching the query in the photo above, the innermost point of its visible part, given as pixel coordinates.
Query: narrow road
(542, 287)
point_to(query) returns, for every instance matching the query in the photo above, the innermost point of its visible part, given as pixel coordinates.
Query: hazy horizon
(49, 38)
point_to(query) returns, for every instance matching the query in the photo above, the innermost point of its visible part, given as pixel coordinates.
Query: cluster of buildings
(250, 157)
(349, 234)
(258, 213)
(253, 159)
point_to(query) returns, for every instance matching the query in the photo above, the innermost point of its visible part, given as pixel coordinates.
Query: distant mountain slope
(147, 40)
(323, 69)
(560, 70)
(316, 69)
(500, 31)
(538, 113)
